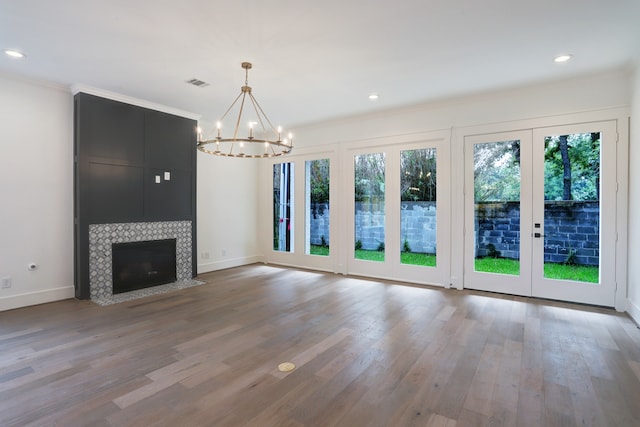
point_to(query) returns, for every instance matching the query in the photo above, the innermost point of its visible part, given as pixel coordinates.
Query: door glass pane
(572, 207)
(418, 207)
(369, 206)
(317, 203)
(283, 207)
(497, 207)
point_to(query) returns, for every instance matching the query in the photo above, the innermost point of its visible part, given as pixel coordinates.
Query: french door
(398, 211)
(540, 212)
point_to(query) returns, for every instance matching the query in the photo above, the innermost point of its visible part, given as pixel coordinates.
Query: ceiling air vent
(197, 82)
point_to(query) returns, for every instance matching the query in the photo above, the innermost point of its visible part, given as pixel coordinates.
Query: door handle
(538, 235)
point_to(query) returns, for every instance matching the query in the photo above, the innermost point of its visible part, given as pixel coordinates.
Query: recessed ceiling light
(373, 96)
(14, 53)
(562, 58)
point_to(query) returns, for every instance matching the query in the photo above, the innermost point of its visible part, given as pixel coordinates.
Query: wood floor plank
(368, 352)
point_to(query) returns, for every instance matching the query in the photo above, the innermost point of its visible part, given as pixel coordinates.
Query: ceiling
(313, 60)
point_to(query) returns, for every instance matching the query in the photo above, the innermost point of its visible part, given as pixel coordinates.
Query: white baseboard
(37, 297)
(634, 311)
(229, 263)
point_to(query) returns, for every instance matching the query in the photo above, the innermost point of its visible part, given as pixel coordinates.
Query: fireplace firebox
(138, 265)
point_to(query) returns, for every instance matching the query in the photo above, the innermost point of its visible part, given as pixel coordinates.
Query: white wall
(227, 212)
(587, 93)
(36, 188)
(634, 204)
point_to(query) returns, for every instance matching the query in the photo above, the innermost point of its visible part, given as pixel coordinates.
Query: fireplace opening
(138, 265)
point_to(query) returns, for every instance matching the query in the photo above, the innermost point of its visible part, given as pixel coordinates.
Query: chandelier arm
(235, 132)
(262, 111)
(255, 108)
(230, 107)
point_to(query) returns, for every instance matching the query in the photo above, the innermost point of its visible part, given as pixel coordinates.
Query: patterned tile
(102, 236)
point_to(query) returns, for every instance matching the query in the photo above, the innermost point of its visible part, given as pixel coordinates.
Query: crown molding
(76, 88)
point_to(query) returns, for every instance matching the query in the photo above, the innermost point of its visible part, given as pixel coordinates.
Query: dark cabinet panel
(119, 150)
(169, 140)
(115, 193)
(111, 130)
(168, 200)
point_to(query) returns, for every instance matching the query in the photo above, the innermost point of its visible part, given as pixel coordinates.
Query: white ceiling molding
(76, 88)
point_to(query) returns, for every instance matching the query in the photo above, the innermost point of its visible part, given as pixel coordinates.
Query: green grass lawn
(369, 255)
(413, 258)
(319, 250)
(579, 273)
(405, 257)
(498, 265)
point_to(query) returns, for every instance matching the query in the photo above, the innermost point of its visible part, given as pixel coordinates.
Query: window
(369, 182)
(283, 207)
(317, 207)
(418, 207)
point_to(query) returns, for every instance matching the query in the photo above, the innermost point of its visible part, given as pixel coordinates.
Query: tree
(497, 171)
(369, 177)
(582, 180)
(319, 180)
(566, 167)
(418, 175)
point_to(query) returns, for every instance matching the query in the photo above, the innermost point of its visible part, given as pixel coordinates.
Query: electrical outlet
(6, 282)
(223, 252)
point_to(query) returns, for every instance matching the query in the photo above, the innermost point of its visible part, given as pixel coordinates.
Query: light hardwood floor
(368, 353)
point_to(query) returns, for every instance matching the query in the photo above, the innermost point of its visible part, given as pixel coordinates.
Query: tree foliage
(571, 169)
(582, 157)
(497, 171)
(369, 177)
(418, 175)
(319, 180)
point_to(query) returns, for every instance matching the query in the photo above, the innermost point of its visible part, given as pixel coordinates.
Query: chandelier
(262, 140)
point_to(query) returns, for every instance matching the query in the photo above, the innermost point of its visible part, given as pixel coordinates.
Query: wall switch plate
(157, 179)
(167, 176)
(6, 282)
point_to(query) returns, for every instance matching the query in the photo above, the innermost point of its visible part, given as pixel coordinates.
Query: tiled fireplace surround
(102, 236)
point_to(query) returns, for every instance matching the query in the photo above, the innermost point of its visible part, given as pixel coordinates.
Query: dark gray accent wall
(119, 150)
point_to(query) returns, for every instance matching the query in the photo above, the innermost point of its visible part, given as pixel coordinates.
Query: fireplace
(138, 265)
(104, 237)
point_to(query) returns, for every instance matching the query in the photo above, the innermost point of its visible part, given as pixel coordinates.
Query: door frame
(621, 118)
(391, 268)
(502, 283)
(602, 293)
